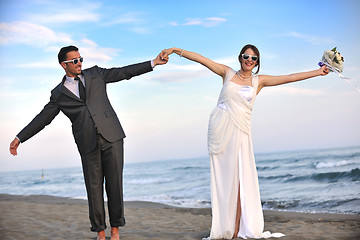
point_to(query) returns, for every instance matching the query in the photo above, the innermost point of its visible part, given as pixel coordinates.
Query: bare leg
(115, 233)
(101, 235)
(238, 215)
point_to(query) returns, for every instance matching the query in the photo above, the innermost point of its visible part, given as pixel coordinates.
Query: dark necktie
(81, 88)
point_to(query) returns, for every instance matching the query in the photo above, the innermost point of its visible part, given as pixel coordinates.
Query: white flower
(330, 53)
(338, 57)
(334, 59)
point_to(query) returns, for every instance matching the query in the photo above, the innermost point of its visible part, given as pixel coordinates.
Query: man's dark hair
(64, 51)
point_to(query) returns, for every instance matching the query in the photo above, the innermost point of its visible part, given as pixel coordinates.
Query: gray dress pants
(104, 163)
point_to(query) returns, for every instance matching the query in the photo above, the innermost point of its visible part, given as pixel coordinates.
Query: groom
(98, 134)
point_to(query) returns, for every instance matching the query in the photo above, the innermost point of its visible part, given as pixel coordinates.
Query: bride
(235, 195)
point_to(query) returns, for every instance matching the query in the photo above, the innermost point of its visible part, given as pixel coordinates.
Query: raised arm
(267, 80)
(217, 68)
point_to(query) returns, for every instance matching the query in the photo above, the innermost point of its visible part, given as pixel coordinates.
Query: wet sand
(46, 217)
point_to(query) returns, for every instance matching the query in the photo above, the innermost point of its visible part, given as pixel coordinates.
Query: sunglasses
(75, 61)
(246, 57)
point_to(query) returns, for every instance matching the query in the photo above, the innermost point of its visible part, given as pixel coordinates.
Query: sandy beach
(46, 217)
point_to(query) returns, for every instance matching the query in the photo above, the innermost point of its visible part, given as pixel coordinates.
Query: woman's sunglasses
(75, 61)
(246, 57)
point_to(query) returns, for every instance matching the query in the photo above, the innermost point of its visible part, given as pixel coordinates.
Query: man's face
(71, 69)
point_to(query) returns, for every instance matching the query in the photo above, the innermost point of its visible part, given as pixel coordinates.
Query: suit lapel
(87, 83)
(67, 92)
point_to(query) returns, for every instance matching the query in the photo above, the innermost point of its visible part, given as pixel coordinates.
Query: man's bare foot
(115, 233)
(101, 235)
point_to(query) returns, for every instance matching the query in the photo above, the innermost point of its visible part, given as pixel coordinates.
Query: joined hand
(161, 59)
(165, 53)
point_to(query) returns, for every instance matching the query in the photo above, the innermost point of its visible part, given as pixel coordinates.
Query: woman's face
(248, 64)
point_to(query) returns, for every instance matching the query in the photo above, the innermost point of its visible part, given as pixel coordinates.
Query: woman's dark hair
(257, 53)
(63, 51)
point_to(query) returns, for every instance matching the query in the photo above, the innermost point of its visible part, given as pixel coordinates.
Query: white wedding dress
(233, 164)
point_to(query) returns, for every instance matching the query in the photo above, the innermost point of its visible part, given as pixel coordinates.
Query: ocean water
(326, 180)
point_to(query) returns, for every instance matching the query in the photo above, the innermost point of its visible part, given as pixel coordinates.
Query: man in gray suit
(98, 134)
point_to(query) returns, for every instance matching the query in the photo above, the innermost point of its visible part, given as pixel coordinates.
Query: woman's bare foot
(101, 235)
(115, 233)
(238, 215)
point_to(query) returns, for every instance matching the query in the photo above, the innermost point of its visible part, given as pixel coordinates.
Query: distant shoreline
(259, 153)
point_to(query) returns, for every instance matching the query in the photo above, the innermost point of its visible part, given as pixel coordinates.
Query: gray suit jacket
(88, 118)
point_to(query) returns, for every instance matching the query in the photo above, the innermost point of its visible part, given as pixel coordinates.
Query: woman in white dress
(235, 196)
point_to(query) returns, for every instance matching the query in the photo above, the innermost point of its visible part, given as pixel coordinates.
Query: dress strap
(229, 74)
(255, 84)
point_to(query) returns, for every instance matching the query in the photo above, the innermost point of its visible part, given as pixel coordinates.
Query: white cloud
(31, 34)
(231, 61)
(206, 22)
(66, 17)
(190, 22)
(52, 63)
(174, 24)
(179, 72)
(127, 18)
(214, 21)
(293, 91)
(180, 76)
(133, 21)
(312, 39)
(61, 13)
(140, 30)
(270, 56)
(92, 53)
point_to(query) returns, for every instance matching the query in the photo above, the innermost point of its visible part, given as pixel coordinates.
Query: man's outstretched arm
(50, 111)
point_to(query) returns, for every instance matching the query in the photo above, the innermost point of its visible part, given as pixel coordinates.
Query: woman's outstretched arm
(267, 80)
(217, 68)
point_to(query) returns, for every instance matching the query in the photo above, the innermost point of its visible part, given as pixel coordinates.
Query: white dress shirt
(72, 84)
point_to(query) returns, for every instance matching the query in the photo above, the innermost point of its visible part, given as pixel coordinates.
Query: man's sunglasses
(75, 61)
(246, 57)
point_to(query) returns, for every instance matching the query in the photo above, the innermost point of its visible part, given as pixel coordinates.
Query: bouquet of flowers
(333, 59)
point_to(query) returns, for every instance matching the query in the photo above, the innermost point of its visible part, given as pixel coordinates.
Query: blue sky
(165, 113)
